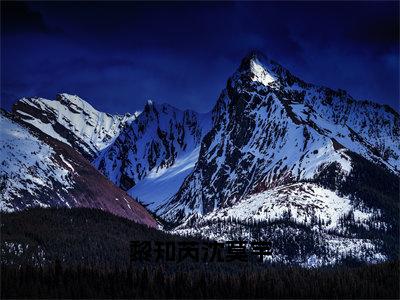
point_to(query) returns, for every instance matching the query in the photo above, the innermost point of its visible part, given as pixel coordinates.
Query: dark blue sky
(118, 55)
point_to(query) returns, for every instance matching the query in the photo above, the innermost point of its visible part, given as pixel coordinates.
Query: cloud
(18, 17)
(381, 33)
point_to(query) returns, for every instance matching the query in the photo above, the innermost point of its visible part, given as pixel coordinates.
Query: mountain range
(308, 167)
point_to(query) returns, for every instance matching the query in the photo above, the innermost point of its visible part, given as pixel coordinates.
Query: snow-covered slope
(307, 203)
(310, 169)
(160, 185)
(28, 167)
(308, 225)
(37, 170)
(270, 129)
(153, 155)
(73, 121)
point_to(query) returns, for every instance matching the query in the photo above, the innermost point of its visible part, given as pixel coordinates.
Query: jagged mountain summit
(158, 146)
(287, 160)
(38, 170)
(152, 156)
(270, 129)
(73, 121)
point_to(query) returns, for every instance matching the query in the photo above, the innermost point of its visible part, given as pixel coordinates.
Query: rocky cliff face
(271, 129)
(152, 156)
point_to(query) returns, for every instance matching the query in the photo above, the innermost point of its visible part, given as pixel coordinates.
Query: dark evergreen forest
(84, 253)
(189, 281)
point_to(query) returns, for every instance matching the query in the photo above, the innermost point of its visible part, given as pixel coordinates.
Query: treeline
(75, 236)
(190, 281)
(84, 253)
(294, 241)
(374, 186)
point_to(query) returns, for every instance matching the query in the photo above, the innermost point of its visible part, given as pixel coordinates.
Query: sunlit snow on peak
(73, 99)
(260, 73)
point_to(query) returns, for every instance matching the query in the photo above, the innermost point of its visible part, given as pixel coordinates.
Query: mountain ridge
(161, 138)
(39, 170)
(265, 102)
(67, 116)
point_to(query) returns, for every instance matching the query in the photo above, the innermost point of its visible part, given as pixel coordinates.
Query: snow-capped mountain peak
(270, 129)
(37, 170)
(73, 121)
(260, 68)
(260, 73)
(159, 147)
(282, 151)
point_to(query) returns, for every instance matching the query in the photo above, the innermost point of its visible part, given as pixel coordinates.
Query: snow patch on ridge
(73, 121)
(160, 185)
(303, 200)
